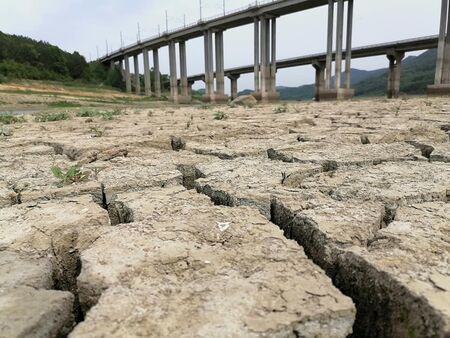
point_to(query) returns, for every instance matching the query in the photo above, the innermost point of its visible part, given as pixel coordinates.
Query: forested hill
(25, 58)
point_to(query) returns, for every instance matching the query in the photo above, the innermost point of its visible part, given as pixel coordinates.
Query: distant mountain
(417, 74)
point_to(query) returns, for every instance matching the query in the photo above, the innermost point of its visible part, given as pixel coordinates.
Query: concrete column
(442, 76)
(395, 61)
(122, 71)
(209, 67)
(112, 65)
(183, 70)
(234, 85)
(319, 66)
(137, 80)
(147, 82)
(339, 38)
(330, 32)
(157, 74)
(256, 55)
(273, 65)
(190, 84)
(173, 72)
(441, 45)
(348, 54)
(127, 74)
(206, 56)
(220, 69)
(446, 63)
(265, 71)
(211, 64)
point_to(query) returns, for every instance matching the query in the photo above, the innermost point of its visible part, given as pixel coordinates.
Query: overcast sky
(81, 25)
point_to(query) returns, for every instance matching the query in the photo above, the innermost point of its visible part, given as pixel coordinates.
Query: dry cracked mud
(327, 220)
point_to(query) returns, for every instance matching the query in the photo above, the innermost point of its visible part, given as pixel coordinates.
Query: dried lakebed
(329, 220)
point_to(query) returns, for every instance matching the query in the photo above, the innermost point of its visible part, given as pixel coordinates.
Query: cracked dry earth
(329, 220)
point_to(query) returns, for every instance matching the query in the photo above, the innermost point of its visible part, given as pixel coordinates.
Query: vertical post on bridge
(395, 62)
(156, 73)
(147, 82)
(137, 79)
(273, 63)
(219, 95)
(330, 32)
(234, 85)
(209, 67)
(348, 53)
(257, 92)
(442, 76)
(173, 72)
(127, 74)
(185, 96)
(339, 37)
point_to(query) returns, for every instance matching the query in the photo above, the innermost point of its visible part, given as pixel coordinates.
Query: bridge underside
(265, 64)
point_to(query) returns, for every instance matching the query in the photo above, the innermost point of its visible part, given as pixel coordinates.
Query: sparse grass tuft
(97, 131)
(204, 106)
(220, 115)
(106, 115)
(9, 118)
(281, 109)
(64, 104)
(74, 174)
(52, 116)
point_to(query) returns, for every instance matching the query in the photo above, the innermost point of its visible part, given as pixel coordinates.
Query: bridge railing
(253, 4)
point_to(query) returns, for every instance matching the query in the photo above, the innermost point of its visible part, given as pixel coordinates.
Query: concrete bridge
(263, 16)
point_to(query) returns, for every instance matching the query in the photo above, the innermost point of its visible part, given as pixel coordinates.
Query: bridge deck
(231, 20)
(358, 52)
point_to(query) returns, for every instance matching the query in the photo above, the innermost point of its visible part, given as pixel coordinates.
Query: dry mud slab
(362, 187)
(208, 271)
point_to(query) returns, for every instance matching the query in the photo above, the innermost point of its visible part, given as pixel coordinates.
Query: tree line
(24, 58)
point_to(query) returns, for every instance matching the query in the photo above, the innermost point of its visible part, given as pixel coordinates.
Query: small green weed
(64, 104)
(281, 109)
(220, 115)
(73, 175)
(9, 118)
(52, 116)
(106, 115)
(204, 106)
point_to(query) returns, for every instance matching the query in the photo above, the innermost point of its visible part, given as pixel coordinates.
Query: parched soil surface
(327, 220)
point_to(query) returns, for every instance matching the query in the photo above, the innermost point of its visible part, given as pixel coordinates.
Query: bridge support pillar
(156, 73)
(137, 80)
(184, 96)
(122, 71)
(268, 60)
(442, 77)
(190, 84)
(395, 62)
(234, 85)
(173, 73)
(127, 74)
(319, 66)
(216, 95)
(209, 67)
(147, 82)
(338, 92)
(257, 66)
(219, 95)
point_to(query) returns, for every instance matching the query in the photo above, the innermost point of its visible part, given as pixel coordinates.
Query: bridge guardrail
(255, 4)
